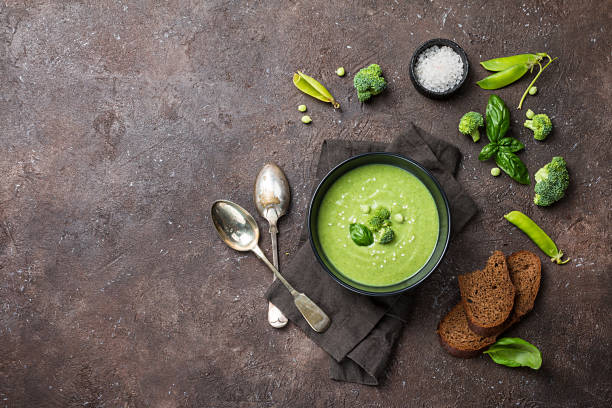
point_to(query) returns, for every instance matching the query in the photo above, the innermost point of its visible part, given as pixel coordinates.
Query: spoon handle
(273, 238)
(280, 277)
(276, 318)
(314, 315)
(316, 318)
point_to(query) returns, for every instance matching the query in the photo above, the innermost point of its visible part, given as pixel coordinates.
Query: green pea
(340, 71)
(503, 78)
(537, 235)
(306, 119)
(533, 90)
(495, 171)
(302, 108)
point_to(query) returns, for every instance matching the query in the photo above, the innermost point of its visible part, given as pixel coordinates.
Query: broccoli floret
(385, 235)
(383, 213)
(551, 182)
(469, 124)
(369, 82)
(541, 126)
(380, 218)
(376, 223)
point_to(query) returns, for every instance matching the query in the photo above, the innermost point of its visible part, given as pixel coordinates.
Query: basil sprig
(361, 235)
(515, 352)
(500, 147)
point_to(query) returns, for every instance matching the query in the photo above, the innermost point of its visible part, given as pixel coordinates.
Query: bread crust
(459, 353)
(488, 331)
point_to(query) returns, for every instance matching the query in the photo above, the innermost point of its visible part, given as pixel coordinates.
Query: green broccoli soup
(378, 224)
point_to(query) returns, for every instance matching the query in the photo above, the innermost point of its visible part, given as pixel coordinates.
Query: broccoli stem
(475, 135)
(535, 79)
(529, 125)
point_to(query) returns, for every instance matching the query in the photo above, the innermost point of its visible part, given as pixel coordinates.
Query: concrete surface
(120, 123)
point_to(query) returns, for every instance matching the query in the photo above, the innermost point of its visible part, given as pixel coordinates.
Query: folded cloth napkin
(364, 329)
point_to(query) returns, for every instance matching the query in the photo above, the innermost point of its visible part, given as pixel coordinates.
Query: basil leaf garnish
(515, 352)
(361, 235)
(512, 166)
(510, 144)
(498, 118)
(503, 148)
(488, 151)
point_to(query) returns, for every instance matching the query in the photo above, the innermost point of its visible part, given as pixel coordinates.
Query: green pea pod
(312, 87)
(503, 78)
(537, 235)
(501, 64)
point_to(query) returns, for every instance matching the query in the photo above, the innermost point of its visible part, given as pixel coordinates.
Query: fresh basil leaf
(488, 151)
(498, 118)
(361, 235)
(510, 144)
(515, 352)
(512, 166)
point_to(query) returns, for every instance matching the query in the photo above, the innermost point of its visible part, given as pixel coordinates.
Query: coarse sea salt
(439, 68)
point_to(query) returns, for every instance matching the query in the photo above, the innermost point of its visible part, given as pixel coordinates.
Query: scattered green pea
(302, 108)
(537, 235)
(364, 208)
(397, 217)
(495, 171)
(306, 119)
(340, 71)
(533, 90)
(530, 114)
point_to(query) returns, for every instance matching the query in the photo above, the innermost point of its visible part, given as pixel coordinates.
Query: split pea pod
(503, 78)
(537, 235)
(501, 64)
(312, 87)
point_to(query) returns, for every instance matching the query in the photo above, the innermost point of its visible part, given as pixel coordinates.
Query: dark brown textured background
(120, 123)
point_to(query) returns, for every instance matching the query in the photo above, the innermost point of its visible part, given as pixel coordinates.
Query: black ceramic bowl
(439, 42)
(425, 177)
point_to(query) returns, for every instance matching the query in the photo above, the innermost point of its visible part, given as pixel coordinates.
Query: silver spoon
(272, 198)
(239, 231)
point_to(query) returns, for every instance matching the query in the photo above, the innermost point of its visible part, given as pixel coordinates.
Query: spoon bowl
(272, 194)
(236, 227)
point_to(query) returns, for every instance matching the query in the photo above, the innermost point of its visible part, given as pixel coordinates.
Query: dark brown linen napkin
(364, 329)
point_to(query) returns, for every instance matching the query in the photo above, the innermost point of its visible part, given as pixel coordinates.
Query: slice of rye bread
(457, 338)
(455, 335)
(488, 296)
(525, 272)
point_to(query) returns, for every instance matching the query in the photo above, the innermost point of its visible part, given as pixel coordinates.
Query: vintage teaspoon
(238, 229)
(272, 198)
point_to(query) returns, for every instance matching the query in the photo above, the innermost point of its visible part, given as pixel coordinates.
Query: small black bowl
(425, 177)
(439, 42)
